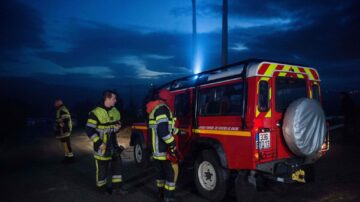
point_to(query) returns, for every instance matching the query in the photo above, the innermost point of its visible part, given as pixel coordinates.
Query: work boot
(169, 199)
(68, 160)
(119, 190)
(71, 159)
(160, 194)
(104, 191)
(65, 160)
(169, 196)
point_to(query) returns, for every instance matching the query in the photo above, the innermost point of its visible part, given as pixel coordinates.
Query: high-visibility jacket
(100, 128)
(63, 122)
(161, 126)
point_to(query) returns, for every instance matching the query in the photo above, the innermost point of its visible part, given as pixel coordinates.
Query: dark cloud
(323, 37)
(103, 45)
(314, 33)
(20, 27)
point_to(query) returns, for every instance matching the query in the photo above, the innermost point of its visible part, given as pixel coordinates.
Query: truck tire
(210, 178)
(141, 155)
(304, 127)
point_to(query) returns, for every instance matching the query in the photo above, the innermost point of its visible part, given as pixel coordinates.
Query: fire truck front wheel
(211, 179)
(141, 155)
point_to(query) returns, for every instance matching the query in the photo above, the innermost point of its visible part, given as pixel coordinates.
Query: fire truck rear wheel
(141, 155)
(211, 179)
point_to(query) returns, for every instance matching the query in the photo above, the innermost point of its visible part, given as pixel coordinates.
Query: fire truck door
(182, 111)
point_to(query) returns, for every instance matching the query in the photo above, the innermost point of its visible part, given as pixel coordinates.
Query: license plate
(264, 140)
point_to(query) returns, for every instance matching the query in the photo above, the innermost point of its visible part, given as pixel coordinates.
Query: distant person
(348, 110)
(162, 125)
(63, 129)
(101, 127)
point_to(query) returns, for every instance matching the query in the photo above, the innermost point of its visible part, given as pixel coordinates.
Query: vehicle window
(182, 105)
(263, 101)
(221, 100)
(315, 92)
(288, 90)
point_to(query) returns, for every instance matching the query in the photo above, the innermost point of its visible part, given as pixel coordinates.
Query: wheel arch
(213, 144)
(135, 135)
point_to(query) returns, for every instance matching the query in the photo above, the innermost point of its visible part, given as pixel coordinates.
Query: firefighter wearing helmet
(162, 130)
(63, 129)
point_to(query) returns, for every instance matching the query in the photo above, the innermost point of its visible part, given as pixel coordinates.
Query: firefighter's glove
(173, 149)
(175, 131)
(172, 157)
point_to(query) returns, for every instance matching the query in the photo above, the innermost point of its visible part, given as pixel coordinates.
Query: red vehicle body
(230, 122)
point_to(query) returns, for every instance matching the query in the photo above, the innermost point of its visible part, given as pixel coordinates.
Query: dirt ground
(31, 171)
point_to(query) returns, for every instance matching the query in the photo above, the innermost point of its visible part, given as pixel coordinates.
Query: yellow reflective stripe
(65, 116)
(92, 121)
(269, 93)
(268, 115)
(105, 138)
(116, 180)
(95, 139)
(285, 68)
(298, 72)
(97, 170)
(170, 188)
(307, 70)
(153, 139)
(103, 158)
(170, 140)
(162, 116)
(99, 183)
(140, 127)
(104, 127)
(270, 69)
(160, 157)
(257, 112)
(160, 183)
(152, 122)
(223, 132)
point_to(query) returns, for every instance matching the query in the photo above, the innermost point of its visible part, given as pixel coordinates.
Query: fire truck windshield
(287, 90)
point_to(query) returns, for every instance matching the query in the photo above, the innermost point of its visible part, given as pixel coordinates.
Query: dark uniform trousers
(102, 168)
(67, 146)
(166, 177)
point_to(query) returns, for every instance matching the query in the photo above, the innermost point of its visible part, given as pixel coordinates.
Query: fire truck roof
(247, 68)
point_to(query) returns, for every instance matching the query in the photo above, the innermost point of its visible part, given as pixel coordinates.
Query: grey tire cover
(304, 127)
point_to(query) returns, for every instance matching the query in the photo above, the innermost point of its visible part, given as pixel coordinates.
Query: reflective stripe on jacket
(161, 126)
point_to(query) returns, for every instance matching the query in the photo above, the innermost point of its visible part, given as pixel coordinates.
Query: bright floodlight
(197, 63)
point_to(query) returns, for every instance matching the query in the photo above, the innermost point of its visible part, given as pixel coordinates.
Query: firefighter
(63, 129)
(162, 130)
(101, 127)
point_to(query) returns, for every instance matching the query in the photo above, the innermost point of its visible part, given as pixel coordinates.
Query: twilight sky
(121, 43)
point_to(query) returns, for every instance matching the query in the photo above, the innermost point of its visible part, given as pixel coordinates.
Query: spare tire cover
(304, 127)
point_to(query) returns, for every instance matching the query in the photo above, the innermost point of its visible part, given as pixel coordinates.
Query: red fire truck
(256, 119)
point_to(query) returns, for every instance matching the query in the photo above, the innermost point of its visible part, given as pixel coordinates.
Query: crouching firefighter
(162, 130)
(102, 125)
(63, 129)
